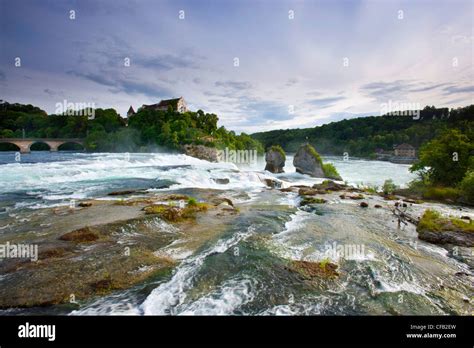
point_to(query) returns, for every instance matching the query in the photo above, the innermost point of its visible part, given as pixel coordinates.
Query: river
(241, 271)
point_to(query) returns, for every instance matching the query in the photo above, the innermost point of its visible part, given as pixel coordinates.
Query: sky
(257, 64)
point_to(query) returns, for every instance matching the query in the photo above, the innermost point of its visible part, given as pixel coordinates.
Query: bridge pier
(24, 148)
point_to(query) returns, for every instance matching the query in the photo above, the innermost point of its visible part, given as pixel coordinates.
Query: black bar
(119, 330)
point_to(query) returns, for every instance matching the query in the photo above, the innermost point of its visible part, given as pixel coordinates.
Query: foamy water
(45, 179)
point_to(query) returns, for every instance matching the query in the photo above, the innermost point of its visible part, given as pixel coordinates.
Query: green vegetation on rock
(331, 172)
(279, 149)
(172, 213)
(433, 221)
(192, 202)
(312, 200)
(314, 270)
(313, 152)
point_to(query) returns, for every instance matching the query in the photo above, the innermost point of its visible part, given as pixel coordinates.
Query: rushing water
(42, 179)
(243, 270)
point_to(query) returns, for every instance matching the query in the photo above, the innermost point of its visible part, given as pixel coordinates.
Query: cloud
(428, 87)
(291, 82)
(120, 84)
(455, 90)
(280, 63)
(325, 102)
(234, 85)
(94, 8)
(403, 88)
(51, 92)
(387, 90)
(164, 62)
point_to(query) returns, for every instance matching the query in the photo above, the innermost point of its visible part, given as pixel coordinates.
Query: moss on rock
(82, 235)
(433, 221)
(172, 213)
(312, 200)
(310, 270)
(438, 229)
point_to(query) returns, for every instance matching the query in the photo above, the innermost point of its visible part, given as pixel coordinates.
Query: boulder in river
(202, 152)
(275, 158)
(221, 181)
(308, 161)
(437, 229)
(310, 191)
(122, 193)
(312, 200)
(330, 185)
(272, 183)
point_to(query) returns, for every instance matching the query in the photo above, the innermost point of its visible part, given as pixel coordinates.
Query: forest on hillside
(360, 137)
(107, 131)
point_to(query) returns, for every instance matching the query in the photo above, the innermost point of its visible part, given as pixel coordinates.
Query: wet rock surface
(202, 152)
(311, 270)
(78, 257)
(447, 237)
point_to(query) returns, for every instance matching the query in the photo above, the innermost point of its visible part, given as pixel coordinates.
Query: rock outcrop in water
(308, 161)
(272, 183)
(275, 158)
(202, 152)
(436, 229)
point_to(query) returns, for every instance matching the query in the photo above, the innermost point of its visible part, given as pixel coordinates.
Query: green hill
(360, 137)
(108, 131)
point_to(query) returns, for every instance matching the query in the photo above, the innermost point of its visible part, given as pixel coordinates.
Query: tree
(445, 159)
(388, 187)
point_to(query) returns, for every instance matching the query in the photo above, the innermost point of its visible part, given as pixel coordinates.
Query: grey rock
(202, 152)
(306, 163)
(459, 238)
(221, 181)
(275, 161)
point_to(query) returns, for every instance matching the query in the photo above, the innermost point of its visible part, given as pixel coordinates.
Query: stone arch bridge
(24, 144)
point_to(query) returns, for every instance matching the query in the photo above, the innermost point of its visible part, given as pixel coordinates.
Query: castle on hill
(177, 104)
